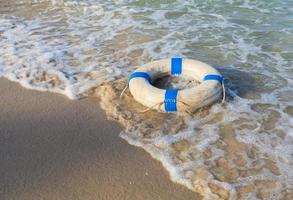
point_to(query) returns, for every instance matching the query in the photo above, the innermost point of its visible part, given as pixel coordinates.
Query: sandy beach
(55, 148)
(82, 139)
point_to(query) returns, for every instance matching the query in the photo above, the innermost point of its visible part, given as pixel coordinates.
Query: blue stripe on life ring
(144, 75)
(176, 66)
(214, 77)
(170, 100)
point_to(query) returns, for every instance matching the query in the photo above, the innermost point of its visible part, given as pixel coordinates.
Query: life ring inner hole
(175, 82)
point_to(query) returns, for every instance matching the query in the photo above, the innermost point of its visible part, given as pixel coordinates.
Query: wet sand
(55, 148)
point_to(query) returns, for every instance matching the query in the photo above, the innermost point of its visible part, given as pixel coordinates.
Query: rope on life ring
(160, 103)
(151, 97)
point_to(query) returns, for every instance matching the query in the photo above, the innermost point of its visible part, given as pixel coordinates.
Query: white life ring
(208, 91)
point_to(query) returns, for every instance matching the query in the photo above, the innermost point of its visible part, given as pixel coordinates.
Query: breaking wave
(239, 150)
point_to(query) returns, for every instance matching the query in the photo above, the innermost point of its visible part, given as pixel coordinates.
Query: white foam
(72, 47)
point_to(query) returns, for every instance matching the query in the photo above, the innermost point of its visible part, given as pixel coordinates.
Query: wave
(240, 150)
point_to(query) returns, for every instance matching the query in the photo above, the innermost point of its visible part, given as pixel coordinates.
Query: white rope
(224, 91)
(187, 107)
(185, 104)
(187, 110)
(149, 108)
(123, 91)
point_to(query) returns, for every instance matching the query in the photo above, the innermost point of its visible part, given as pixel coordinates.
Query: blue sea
(240, 150)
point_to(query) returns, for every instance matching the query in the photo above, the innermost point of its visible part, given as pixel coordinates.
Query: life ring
(170, 100)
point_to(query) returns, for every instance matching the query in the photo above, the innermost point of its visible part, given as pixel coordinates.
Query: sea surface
(242, 149)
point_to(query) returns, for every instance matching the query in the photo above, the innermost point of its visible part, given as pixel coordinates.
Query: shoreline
(55, 148)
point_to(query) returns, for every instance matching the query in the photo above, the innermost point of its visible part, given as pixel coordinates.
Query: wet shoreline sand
(239, 150)
(55, 148)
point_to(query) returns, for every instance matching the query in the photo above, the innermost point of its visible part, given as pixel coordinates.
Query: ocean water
(240, 150)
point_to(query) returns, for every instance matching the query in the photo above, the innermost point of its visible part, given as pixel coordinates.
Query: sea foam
(239, 150)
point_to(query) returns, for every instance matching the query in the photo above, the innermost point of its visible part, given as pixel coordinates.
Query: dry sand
(55, 148)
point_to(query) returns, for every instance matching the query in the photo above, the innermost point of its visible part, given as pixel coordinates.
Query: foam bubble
(230, 151)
